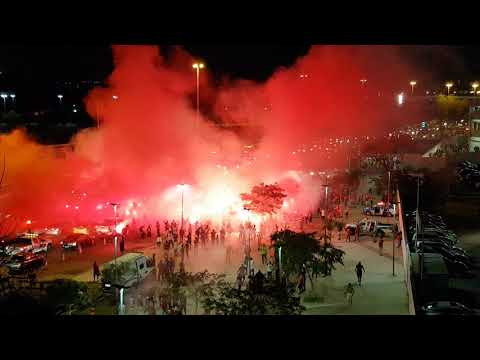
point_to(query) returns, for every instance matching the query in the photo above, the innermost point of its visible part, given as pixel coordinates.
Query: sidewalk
(381, 293)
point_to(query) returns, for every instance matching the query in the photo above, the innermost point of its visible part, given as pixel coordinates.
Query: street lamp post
(115, 205)
(412, 84)
(4, 97)
(388, 191)
(60, 97)
(198, 67)
(448, 85)
(182, 187)
(13, 96)
(326, 185)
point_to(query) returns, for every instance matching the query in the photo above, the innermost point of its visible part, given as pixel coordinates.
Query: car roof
(445, 304)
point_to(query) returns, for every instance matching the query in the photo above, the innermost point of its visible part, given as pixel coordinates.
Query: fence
(407, 261)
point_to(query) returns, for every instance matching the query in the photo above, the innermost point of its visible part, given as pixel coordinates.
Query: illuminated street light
(4, 97)
(412, 84)
(198, 67)
(475, 86)
(60, 97)
(400, 99)
(115, 97)
(363, 81)
(448, 85)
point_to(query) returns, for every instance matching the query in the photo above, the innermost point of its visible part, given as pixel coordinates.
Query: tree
(198, 284)
(274, 299)
(327, 257)
(67, 294)
(301, 249)
(264, 199)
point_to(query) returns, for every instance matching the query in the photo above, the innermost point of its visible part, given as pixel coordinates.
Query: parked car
(73, 241)
(438, 244)
(379, 210)
(24, 263)
(447, 308)
(447, 254)
(18, 246)
(459, 268)
(431, 237)
(372, 226)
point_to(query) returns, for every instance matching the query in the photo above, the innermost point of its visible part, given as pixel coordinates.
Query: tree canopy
(302, 249)
(273, 299)
(264, 199)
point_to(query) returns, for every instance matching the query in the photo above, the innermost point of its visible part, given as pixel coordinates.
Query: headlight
(74, 244)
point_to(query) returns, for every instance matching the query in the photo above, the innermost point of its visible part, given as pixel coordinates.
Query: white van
(138, 268)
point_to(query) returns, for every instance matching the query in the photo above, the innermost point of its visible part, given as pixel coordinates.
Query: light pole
(182, 187)
(448, 85)
(393, 244)
(4, 97)
(388, 191)
(475, 86)
(198, 67)
(115, 205)
(412, 84)
(417, 222)
(326, 185)
(60, 97)
(13, 96)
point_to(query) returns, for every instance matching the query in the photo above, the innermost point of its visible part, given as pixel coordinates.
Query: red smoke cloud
(150, 140)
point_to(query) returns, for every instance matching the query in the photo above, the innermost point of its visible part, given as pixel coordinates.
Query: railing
(407, 261)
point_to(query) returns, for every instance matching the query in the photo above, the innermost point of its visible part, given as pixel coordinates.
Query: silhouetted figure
(359, 269)
(96, 271)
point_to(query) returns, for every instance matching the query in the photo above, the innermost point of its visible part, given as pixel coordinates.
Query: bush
(67, 292)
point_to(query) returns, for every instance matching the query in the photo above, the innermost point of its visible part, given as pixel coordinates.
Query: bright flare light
(119, 228)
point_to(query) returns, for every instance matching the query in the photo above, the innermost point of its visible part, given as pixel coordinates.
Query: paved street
(381, 293)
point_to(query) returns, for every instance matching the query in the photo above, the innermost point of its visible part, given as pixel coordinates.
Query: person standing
(380, 246)
(357, 233)
(229, 254)
(269, 271)
(222, 235)
(398, 239)
(359, 269)
(264, 252)
(302, 282)
(349, 292)
(96, 271)
(149, 231)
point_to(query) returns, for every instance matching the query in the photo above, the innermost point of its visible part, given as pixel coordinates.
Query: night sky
(32, 63)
